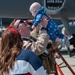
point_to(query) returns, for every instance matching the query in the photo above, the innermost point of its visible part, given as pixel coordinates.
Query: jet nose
(53, 6)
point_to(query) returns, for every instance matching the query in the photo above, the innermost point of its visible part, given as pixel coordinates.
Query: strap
(28, 39)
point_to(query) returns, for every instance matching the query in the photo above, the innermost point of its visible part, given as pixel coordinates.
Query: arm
(37, 20)
(40, 45)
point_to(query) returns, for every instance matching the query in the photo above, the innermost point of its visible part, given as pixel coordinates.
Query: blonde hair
(34, 6)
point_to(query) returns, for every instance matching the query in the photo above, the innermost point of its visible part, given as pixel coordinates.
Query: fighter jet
(58, 9)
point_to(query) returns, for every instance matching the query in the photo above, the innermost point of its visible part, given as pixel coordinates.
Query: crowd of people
(24, 41)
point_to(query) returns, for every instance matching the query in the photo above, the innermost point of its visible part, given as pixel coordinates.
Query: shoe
(71, 55)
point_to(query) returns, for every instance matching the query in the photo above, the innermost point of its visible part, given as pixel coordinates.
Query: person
(71, 39)
(14, 60)
(38, 12)
(38, 46)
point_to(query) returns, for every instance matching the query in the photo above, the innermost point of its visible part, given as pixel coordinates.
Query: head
(23, 26)
(34, 8)
(11, 45)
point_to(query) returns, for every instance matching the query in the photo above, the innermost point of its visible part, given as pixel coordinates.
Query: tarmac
(70, 60)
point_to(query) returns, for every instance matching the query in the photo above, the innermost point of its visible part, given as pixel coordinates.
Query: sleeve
(37, 20)
(40, 45)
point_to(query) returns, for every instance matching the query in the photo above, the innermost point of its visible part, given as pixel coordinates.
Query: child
(38, 12)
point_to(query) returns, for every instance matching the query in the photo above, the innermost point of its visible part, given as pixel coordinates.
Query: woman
(16, 61)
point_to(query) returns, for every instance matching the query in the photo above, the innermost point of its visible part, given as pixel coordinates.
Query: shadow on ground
(65, 52)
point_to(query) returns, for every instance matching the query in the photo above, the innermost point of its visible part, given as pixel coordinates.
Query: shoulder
(31, 57)
(28, 55)
(24, 54)
(39, 16)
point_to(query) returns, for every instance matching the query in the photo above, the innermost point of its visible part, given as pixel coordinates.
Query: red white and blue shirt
(27, 63)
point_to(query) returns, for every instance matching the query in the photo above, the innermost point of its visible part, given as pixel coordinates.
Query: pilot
(38, 46)
(70, 37)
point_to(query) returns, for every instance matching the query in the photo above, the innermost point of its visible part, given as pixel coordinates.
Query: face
(33, 12)
(24, 29)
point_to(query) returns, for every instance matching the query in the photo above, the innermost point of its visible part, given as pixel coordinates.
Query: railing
(58, 69)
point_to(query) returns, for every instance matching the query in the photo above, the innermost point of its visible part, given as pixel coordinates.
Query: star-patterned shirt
(53, 30)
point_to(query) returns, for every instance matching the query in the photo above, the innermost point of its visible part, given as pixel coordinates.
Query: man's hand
(44, 21)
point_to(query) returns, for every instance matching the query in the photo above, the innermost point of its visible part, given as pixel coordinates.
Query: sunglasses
(22, 21)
